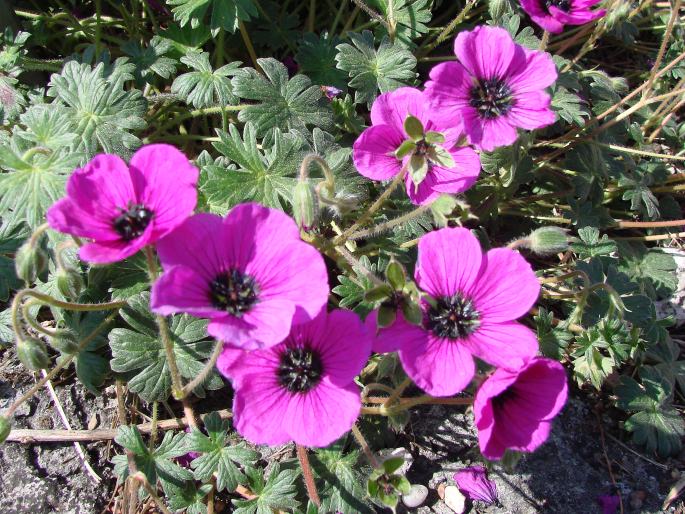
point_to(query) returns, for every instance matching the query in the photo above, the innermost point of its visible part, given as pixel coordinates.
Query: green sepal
(441, 157)
(378, 294)
(401, 484)
(33, 354)
(414, 128)
(433, 137)
(386, 316)
(5, 429)
(418, 169)
(412, 312)
(405, 149)
(392, 465)
(396, 275)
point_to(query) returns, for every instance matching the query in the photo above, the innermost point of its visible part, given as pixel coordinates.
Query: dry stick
(450, 27)
(654, 237)
(29, 436)
(79, 450)
(308, 475)
(663, 123)
(365, 447)
(650, 224)
(397, 392)
(140, 477)
(662, 48)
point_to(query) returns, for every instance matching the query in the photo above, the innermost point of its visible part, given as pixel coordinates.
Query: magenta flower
(496, 87)
(552, 15)
(473, 482)
(514, 409)
(609, 503)
(124, 208)
(377, 154)
(302, 390)
(475, 300)
(249, 273)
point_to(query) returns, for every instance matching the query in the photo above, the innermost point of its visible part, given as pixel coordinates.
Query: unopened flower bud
(69, 282)
(65, 341)
(305, 205)
(548, 240)
(30, 261)
(33, 354)
(5, 428)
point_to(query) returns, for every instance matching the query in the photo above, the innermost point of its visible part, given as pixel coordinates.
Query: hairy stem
(384, 227)
(308, 475)
(365, 447)
(188, 388)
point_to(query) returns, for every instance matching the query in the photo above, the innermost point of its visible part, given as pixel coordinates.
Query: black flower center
(300, 369)
(453, 317)
(234, 292)
(505, 396)
(132, 221)
(491, 98)
(564, 5)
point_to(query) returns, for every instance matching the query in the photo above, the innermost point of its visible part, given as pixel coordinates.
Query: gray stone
(416, 496)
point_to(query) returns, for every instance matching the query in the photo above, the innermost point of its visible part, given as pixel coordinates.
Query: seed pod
(305, 205)
(33, 354)
(548, 240)
(5, 428)
(30, 261)
(69, 282)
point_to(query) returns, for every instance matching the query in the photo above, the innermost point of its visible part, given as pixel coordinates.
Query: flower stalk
(307, 474)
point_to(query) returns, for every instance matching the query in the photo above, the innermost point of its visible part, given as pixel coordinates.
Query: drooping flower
(249, 273)
(303, 389)
(474, 483)
(496, 87)
(383, 149)
(330, 92)
(552, 15)
(475, 299)
(124, 208)
(514, 409)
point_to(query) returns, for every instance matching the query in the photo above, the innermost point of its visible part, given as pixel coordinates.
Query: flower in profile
(474, 300)
(249, 273)
(552, 15)
(514, 409)
(404, 135)
(330, 92)
(474, 483)
(303, 389)
(124, 208)
(496, 87)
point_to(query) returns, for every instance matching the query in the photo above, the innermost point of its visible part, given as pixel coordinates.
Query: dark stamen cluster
(453, 317)
(133, 221)
(564, 5)
(233, 292)
(300, 369)
(491, 98)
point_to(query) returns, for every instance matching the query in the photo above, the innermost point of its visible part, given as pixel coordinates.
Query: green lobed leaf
(224, 14)
(278, 492)
(204, 86)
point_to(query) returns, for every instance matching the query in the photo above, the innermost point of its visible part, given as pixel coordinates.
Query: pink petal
(441, 367)
(393, 338)
(102, 188)
(67, 217)
(196, 244)
(237, 363)
(374, 152)
(507, 287)
(537, 72)
(577, 17)
(323, 415)
(266, 324)
(392, 108)
(531, 111)
(508, 345)
(542, 389)
(539, 15)
(449, 262)
(486, 52)
(496, 132)
(448, 92)
(344, 343)
(165, 182)
(182, 289)
(259, 408)
(106, 252)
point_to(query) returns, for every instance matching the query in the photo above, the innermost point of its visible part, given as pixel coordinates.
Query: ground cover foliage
(268, 99)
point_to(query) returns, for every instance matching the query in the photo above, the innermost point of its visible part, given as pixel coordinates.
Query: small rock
(93, 422)
(416, 496)
(441, 490)
(454, 499)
